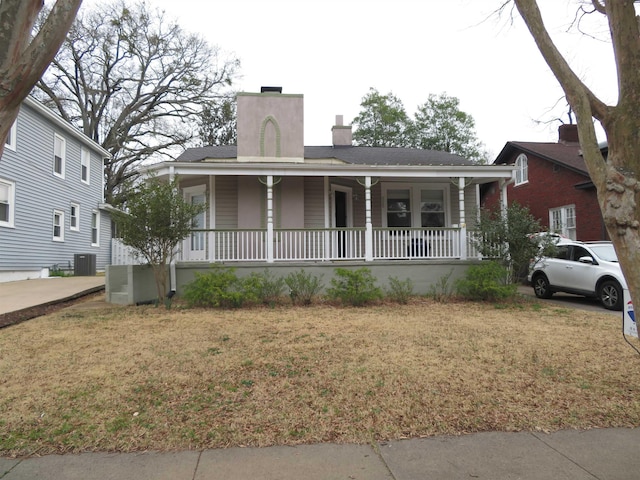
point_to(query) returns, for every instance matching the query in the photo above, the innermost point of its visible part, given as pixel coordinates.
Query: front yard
(136, 378)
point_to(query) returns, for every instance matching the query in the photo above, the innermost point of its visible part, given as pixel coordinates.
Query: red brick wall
(552, 186)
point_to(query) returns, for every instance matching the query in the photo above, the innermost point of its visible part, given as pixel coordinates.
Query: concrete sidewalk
(15, 296)
(606, 454)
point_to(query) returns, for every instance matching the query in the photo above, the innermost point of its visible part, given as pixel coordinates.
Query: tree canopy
(438, 124)
(616, 177)
(135, 82)
(382, 122)
(219, 123)
(25, 54)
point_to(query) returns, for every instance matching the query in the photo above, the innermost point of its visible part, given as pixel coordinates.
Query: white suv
(582, 268)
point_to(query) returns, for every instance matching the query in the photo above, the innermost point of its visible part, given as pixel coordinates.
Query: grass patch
(142, 378)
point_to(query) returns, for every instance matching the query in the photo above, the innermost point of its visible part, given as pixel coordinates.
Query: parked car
(590, 269)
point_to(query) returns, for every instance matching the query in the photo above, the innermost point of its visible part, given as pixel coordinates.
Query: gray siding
(29, 245)
(226, 202)
(314, 202)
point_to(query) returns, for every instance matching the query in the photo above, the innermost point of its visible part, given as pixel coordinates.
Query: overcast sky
(333, 51)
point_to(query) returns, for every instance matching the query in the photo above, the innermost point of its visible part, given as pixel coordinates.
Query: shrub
(441, 290)
(264, 287)
(400, 290)
(355, 287)
(218, 288)
(486, 281)
(303, 287)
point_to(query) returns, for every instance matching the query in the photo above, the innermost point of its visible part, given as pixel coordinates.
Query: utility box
(84, 264)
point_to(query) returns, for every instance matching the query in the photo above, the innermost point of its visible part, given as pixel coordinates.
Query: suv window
(562, 252)
(579, 252)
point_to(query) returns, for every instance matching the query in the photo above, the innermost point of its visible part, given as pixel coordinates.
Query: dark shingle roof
(566, 154)
(351, 155)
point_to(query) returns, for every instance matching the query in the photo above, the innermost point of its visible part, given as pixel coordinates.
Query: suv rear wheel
(610, 294)
(541, 286)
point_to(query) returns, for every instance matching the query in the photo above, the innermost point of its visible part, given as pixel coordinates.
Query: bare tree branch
(135, 82)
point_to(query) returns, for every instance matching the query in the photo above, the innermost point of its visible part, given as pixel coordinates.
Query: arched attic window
(522, 169)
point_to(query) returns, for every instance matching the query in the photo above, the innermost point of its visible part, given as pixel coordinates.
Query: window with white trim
(415, 205)
(58, 225)
(399, 208)
(59, 153)
(7, 202)
(562, 220)
(85, 161)
(522, 169)
(74, 217)
(10, 142)
(95, 228)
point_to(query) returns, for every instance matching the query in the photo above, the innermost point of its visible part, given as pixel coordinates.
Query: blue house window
(58, 226)
(6, 203)
(59, 153)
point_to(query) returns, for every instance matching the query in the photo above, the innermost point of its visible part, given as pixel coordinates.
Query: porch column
(368, 234)
(327, 219)
(463, 220)
(503, 197)
(269, 219)
(212, 220)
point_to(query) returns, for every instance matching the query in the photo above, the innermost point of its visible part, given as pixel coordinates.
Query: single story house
(274, 202)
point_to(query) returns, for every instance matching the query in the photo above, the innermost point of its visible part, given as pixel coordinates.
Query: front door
(341, 219)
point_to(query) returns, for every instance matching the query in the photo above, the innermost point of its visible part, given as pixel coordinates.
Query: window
(7, 200)
(59, 147)
(562, 220)
(95, 229)
(432, 208)
(415, 205)
(58, 226)
(522, 169)
(85, 160)
(399, 208)
(74, 217)
(10, 142)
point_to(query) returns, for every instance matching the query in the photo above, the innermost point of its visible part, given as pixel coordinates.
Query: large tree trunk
(23, 58)
(616, 179)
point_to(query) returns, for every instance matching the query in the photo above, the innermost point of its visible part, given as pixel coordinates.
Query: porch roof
(479, 173)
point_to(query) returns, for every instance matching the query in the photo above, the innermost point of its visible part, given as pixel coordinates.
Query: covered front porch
(296, 212)
(317, 245)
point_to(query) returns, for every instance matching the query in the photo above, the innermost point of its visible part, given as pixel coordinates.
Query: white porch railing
(314, 245)
(416, 243)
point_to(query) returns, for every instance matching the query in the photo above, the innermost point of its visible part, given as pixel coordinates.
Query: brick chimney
(568, 133)
(342, 136)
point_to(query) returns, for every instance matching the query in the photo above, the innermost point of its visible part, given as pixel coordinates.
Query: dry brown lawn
(136, 378)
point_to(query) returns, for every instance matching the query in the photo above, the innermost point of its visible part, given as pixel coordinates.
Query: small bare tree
(24, 57)
(157, 219)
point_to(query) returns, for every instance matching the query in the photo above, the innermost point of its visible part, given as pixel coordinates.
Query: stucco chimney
(342, 136)
(568, 133)
(270, 126)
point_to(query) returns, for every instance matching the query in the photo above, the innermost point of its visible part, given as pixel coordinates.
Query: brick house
(553, 182)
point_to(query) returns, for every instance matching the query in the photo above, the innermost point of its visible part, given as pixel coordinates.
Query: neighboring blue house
(52, 209)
